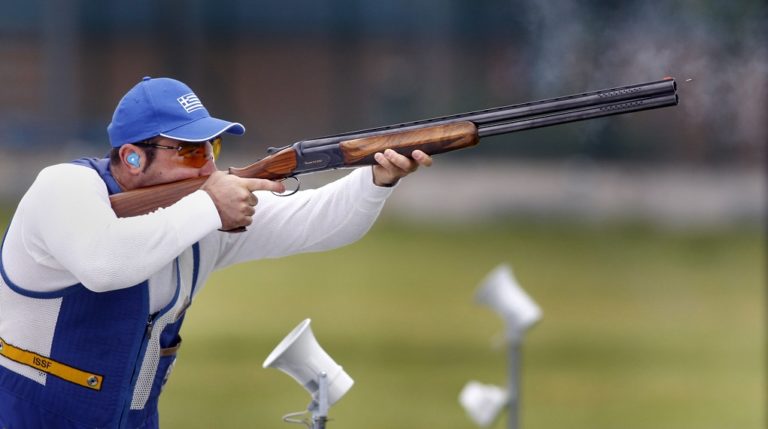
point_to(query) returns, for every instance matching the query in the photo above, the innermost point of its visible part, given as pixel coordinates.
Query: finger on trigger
(264, 185)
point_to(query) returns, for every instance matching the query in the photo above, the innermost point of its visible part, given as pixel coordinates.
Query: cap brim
(204, 129)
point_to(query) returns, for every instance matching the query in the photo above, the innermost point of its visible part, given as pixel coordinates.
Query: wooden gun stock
(145, 200)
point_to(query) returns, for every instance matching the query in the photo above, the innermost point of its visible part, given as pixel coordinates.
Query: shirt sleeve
(331, 216)
(67, 224)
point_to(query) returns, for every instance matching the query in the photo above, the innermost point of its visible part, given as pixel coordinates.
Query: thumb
(264, 185)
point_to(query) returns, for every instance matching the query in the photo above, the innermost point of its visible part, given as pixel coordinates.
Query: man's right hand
(234, 198)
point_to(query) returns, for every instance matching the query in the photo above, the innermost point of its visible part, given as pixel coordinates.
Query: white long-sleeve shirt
(64, 232)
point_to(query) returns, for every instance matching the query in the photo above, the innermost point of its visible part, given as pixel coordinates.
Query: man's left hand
(393, 166)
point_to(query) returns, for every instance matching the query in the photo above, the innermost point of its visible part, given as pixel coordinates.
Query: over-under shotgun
(433, 136)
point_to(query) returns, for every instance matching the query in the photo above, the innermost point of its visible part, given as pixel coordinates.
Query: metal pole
(514, 384)
(320, 415)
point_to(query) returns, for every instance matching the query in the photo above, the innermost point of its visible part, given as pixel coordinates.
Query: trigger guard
(292, 191)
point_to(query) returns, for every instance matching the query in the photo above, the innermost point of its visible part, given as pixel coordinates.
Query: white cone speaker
(483, 402)
(500, 291)
(300, 356)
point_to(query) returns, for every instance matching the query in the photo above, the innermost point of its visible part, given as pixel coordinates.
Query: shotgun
(433, 136)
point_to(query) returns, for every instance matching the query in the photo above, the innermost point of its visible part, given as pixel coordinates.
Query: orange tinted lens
(192, 150)
(195, 154)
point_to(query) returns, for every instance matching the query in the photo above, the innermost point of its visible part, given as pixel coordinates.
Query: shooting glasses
(192, 154)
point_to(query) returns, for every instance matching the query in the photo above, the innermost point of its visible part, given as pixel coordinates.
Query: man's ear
(131, 156)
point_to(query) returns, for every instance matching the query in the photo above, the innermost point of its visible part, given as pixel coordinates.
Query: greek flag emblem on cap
(190, 102)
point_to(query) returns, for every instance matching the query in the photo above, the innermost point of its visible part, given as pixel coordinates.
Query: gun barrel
(569, 102)
(484, 130)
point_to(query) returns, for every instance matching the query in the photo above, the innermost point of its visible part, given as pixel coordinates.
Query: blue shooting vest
(111, 335)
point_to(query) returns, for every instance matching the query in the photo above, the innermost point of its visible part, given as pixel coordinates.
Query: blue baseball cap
(164, 107)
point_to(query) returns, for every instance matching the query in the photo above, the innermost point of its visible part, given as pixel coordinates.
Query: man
(91, 304)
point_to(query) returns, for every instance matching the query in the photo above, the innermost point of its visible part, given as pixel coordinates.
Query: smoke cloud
(719, 45)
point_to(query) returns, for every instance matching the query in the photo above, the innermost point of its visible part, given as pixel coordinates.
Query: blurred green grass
(641, 328)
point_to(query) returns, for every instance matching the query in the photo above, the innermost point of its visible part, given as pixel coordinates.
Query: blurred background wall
(306, 68)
